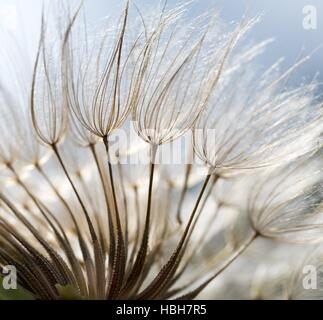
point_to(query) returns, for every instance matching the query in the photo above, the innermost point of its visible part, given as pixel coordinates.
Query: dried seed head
(182, 65)
(47, 101)
(101, 76)
(253, 121)
(76, 226)
(286, 202)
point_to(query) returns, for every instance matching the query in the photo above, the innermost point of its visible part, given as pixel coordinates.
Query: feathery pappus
(83, 217)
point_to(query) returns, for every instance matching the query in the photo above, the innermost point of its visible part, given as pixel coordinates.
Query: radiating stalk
(119, 259)
(142, 253)
(81, 241)
(112, 240)
(162, 278)
(99, 261)
(183, 193)
(194, 293)
(201, 239)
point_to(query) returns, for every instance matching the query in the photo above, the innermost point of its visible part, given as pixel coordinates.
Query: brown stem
(98, 255)
(142, 253)
(194, 293)
(119, 259)
(203, 236)
(81, 241)
(170, 267)
(109, 214)
(183, 193)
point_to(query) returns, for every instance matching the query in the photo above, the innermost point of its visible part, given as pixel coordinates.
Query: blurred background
(281, 20)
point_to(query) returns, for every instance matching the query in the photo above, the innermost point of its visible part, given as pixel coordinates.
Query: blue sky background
(282, 20)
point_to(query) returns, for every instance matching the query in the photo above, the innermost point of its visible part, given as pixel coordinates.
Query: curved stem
(238, 253)
(202, 237)
(81, 241)
(163, 277)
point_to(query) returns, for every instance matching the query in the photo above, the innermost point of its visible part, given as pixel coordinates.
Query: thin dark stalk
(125, 204)
(183, 193)
(158, 284)
(111, 177)
(201, 207)
(142, 253)
(87, 193)
(61, 162)
(203, 236)
(64, 275)
(238, 253)
(81, 241)
(138, 224)
(112, 244)
(99, 261)
(119, 260)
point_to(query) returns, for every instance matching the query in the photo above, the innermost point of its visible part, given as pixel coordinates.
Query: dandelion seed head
(286, 203)
(105, 208)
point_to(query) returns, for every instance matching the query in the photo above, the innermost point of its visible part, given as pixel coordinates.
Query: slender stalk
(96, 216)
(119, 259)
(66, 275)
(233, 257)
(201, 207)
(112, 184)
(81, 241)
(170, 267)
(61, 162)
(125, 205)
(41, 207)
(112, 239)
(183, 193)
(99, 261)
(142, 253)
(203, 236)
(105, 192)
(138, 224)
(150, 188)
